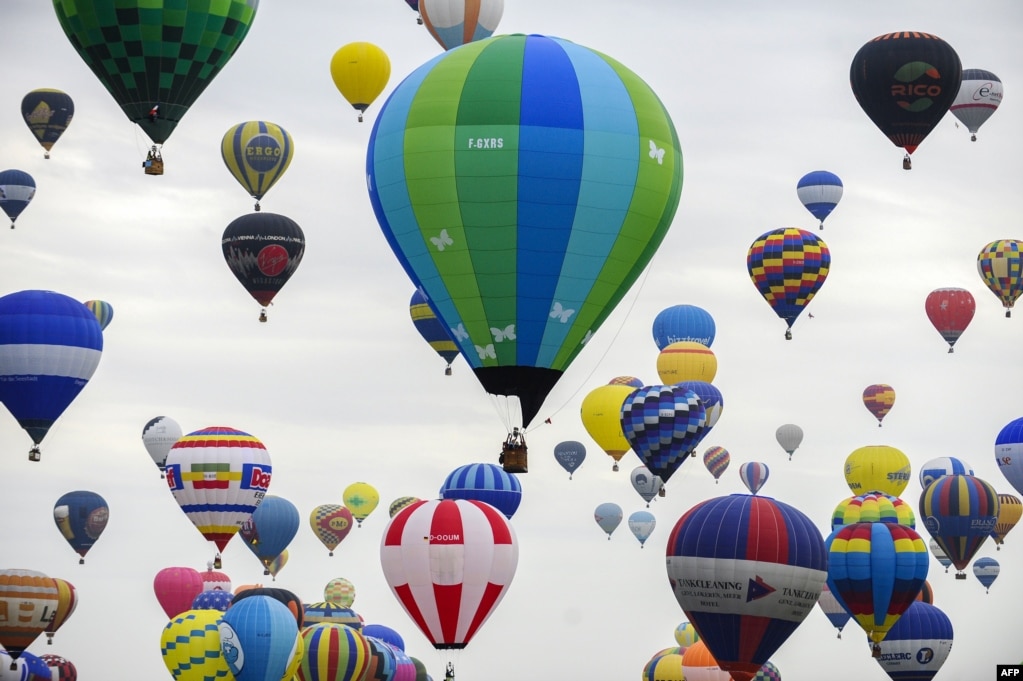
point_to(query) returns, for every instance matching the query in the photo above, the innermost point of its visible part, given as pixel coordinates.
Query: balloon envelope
(680, 323)
(259, 639)
(642, 524)
(986, 571)
(879, 398)
(484, 482)
(431, 328)
(34, 597)
(1009, 453)
(789, 436)
(686, 361)
(103, 310)
(17, 189)
(960, 512)
(601, 414)
(159, 435)
(457, 22)
(270, 528)
(176, 589)
(877, 468)
(979, 96)
(360, 71)
(360, 498)
(190, 644)
(608, 516)
(788, 266)
(942, 466)
(263, 250)
(918, 643)
(646, 484)
(333, 652)
(1000, 265)
(81, 516)
(716, 459)
(331, 523)
(819, 191)
(754, 474)
(257, 153)
(663, 423)
(950, 311)
(47, 113)
(570, 455)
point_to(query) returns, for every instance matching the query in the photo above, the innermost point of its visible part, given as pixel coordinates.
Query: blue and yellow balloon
(257, 153)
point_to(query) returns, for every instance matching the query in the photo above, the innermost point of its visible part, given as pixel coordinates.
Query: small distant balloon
(819, 192)
(608, 516)
(879, 398)
(159, 435)
(788, 266)
(17, 189)
(103, 310)
(641, 524)
(754, 474)
(360, 71)
(980, 95)
(47, 113)
(1000, 264)
(950, 311)
(789, 436)
(716, 459)
(570, 455)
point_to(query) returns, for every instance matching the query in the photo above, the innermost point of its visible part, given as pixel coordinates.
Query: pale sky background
(341, 388)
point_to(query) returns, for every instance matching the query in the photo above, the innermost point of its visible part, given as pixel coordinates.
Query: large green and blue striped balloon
(524, 182)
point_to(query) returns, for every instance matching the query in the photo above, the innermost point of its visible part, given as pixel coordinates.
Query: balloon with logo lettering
(331, 523)
(52, 344)
(698, 664)
(680, 323)
(81, 516)
(457, 22)
(190, 644)
(570, 455)
(950, 311)
(263, 250)
(789, 436)
(339, 591)
(67, 601)
(33, 596)
(601, 416)
(716, 459)
(1010, 510)
(17, 189)
(905, 82)
(686, 361)
(257, 153)
(876, 570)
(169, 53)
(746, 571)
(877, 468)
(159, 435)
(918, 643)
(833, 609)
(663, 423)
(103, 310)
(960, 512)
(270, 528)
(942, 466)
(485, 482)
(219, 476)
(1009, 453)
(754, 474)
(47, 113)
(505, 276)
(360, 72)
(176, 589)
(608, 516)
(980, 94)
(333, 652)
(646, 484)
(939, 554)
(788, 266)
(1000, 265)
(61, 669)
(641, 524)
(449, 562)
(986, 571)
(260, 640)
(872, 507)
(432, 329)
(879, 399)
(819, 191)
(360, 498)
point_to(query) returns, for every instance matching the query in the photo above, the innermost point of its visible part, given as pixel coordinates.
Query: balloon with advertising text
(34, 597)
(570, 455)
(680, 323)
(331, 523)
(918, 643)
(47, 113)
(979, 96)
(877, 468)
(257, 153)
(960, 512)
(1009, 453)
(263, 250)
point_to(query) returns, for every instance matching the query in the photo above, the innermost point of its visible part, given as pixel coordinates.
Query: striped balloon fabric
(333, 652)
(754, 474)
(484, 482)
(457, 22)
(28, 598)
(820, 191)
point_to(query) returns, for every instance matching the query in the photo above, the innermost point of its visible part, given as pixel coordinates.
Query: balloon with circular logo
(941, 466)
(918, 643)
(331, 523)
(257, 153)
(979, 96)
(259, 639)
(960, 512)
(47, 113)
(263, 250)
(81, 516)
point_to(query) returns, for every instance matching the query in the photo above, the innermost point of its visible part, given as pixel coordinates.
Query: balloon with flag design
(788, 266)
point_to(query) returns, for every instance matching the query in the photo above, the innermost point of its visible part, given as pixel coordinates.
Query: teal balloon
(103, 310)
(258, 638)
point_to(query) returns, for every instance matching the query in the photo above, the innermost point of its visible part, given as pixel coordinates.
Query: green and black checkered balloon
(156, 53)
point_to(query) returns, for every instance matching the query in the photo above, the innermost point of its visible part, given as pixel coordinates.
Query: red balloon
(176, 588)
(950, 310)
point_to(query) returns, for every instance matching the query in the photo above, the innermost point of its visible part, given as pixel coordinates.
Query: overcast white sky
(341, 388)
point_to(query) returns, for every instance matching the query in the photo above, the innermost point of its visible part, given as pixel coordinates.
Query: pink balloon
(176, 588)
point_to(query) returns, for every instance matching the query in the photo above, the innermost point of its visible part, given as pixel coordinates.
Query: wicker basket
(514, 459)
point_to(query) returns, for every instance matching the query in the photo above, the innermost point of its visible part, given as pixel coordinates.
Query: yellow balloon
(190, 644)
(360, 71)
(360, 498)
(257, 153)
(877, 468)
(686, 361)
(1010, 511)
(601, 413)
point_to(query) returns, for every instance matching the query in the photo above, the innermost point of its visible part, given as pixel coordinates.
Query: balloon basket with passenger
(514, 457)
(153, 165)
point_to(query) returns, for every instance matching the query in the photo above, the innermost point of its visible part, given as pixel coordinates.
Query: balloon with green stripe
(523, 182)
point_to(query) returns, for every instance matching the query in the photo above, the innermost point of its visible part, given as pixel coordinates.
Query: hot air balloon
(47, 113)
(570, 455)
(257, 153)
(398, 504)
(601, 414)
(835, 611)
(449, 563)
(505, 276)
(214, 579)
(768, 672)
(789, 436)
(382, 663)
(27, 667)
(176, 589)
(484, 482)
(942, 466)
(17, 188)
(67, 601)
(333, 652)
(214, 599)
(712, 399)
(699, 665)
(788, 266)
(926, 593)
(819, 191)
(190, 644)
(259, 639)
(879, 398)
(360, 71)
(939, 553)
(686, 634)
(103, 310)
(683, 323)
(1000, 265)
(686, 361)
(339, 591)
(646, 484)
(630, 381)
(663, 423)
(746, 571)
(457, 22)
(1010, 510)
(283, 596)
(432, 329)
(61, 669)
(960, 512)
(263, 250)
(270, 528)
(877, 468)
(414, 5)
(384, 633)
(666, 667)
(876, 570)
(716, 459)
(50, 345)
(360, 498)
(277, 564)
(155, 57)
(218, 476)
(1009, 453)
(608, 516)
(872, 507)
(754, 474)
(316, 613)
(81, 516)
(641, 524)
(980, 93)
(33, 597)
(918, 643)
(950, 311)
(159, 435)
(986, 571)
(331, 523)
(905, 82)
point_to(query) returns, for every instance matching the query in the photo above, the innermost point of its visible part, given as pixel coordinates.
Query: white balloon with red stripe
(449, 563)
